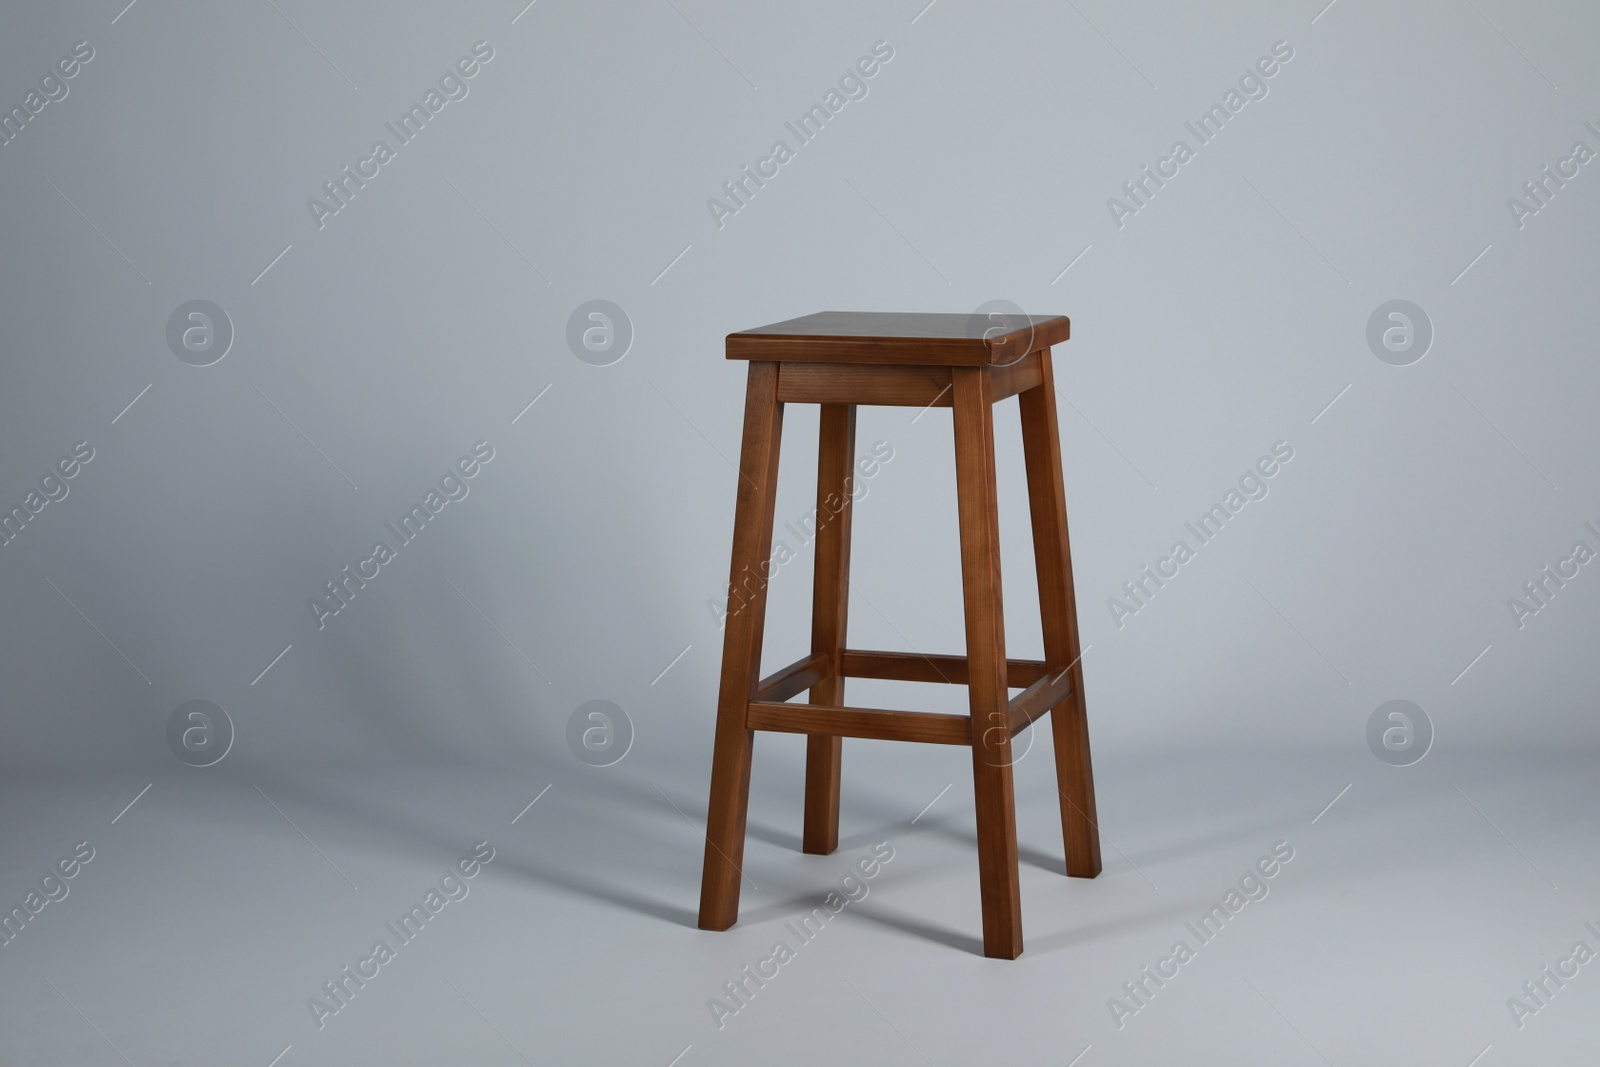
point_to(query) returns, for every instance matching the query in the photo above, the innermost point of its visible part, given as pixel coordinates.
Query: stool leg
(741, 649)
(1041, 445)
(830, 597)
(986, 663)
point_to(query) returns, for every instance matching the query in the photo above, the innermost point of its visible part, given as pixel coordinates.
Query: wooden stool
(839, 360)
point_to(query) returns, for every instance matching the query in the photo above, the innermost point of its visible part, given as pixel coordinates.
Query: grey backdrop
(372, 352)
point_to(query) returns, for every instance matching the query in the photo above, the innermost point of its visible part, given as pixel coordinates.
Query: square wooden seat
(897, 337)
(840, 360)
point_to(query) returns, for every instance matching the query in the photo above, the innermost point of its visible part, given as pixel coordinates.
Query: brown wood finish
(986, 665)
(1016, 377)
(840, 360)
(888, 338)
(830, 597)
(858, 383)
(924, 726)
(1034, 702)
(794, 679)
(1069, 722)
(916, 667)
(741, 651)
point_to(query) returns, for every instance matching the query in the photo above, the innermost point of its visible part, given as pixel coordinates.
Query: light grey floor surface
(218, 905)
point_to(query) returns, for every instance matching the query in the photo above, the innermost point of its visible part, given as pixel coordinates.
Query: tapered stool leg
(1041, 445)
(986, 663)
(829, 599)
(741, 649)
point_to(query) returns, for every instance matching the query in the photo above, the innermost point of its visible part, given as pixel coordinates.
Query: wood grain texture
(1069, 722)
(741, 651)
(887, 338)
(794, 679)
(1014, 378)
(877, 723)
(1034, 702)
(861, 383)
(986, 664)
(917, 667)
(830, 598)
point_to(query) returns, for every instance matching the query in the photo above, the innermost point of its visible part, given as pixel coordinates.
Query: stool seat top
(901, 337)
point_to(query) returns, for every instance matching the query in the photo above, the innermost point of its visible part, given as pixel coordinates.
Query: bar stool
(841, 360)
